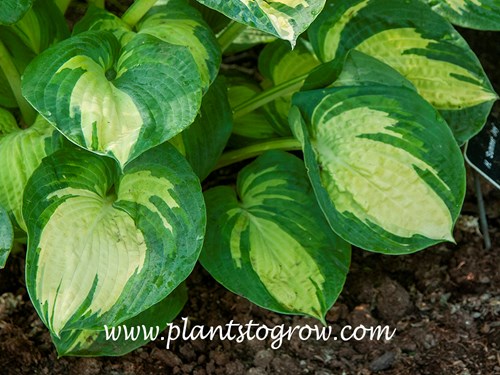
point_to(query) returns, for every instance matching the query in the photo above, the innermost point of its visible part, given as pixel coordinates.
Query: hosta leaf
(203, 142)
(174, 22)
(98, 19)
(21, 152)
(104, 247)
(269, 240)
(6, 236)
(383, 163)
(279, 64)
(105, 98)
(94, 343)
(476, 14)
(418, 43)
(249, 38)
(255, 125)
(12, 11)
(286, 19)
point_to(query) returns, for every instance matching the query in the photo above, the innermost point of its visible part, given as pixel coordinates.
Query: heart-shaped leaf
(174, 22)
(106, 246)
(418, 43)
(105, 98)
(383, 163)
(269, 241)
(476, 14)
(286, 19)
(21, 152)
(151, 321)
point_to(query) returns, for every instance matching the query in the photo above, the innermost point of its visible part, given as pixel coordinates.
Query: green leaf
(106, 246)
(177, 23)
(12, 11)
(255, 125)
(384, 165)
(104, 97)
(42, 26)
(249, 38)
(21, 152)
(203, 142)
(269, 241)
(475, 14)
(174, 22)
(93, 343)
(279, 64)
(286, 19)
(418, 43)
(6, 236)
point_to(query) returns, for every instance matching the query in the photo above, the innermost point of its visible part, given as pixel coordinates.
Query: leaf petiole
(231, 157)
(8, 67)
(137, 10)
(229, 34)
(269, 95)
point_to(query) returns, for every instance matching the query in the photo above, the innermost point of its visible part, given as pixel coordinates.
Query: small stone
(383, 362)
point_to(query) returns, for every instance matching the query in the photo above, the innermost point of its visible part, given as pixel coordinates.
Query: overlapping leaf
(21, 152)
(203, 142)
(286, 19)
(249, 38)
(114, 100)
(279, 65)
(270, 242)
(95, 343)
(172, 21)
(106, 246)
(476, 14)
(384, 165)
(418, 43)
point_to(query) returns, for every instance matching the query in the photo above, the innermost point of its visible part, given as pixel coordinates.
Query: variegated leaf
(104, 246)
(269, 241)
(418, 43)
(250, 37)
(105, 98)
(279, 64)
(94, 343)
(12, 11)
(172, 21)
(203, 142)
(21, 152)
(286, 19)
(476, 14)
(175, 22)
(6, 236)
(254, 126)
(384, 165)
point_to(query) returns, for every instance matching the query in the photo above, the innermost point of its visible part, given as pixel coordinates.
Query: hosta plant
(350, 121)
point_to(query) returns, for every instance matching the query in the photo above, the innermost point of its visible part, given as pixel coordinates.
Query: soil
(444, 303)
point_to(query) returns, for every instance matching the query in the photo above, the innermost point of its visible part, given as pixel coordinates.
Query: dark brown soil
(444, 303)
